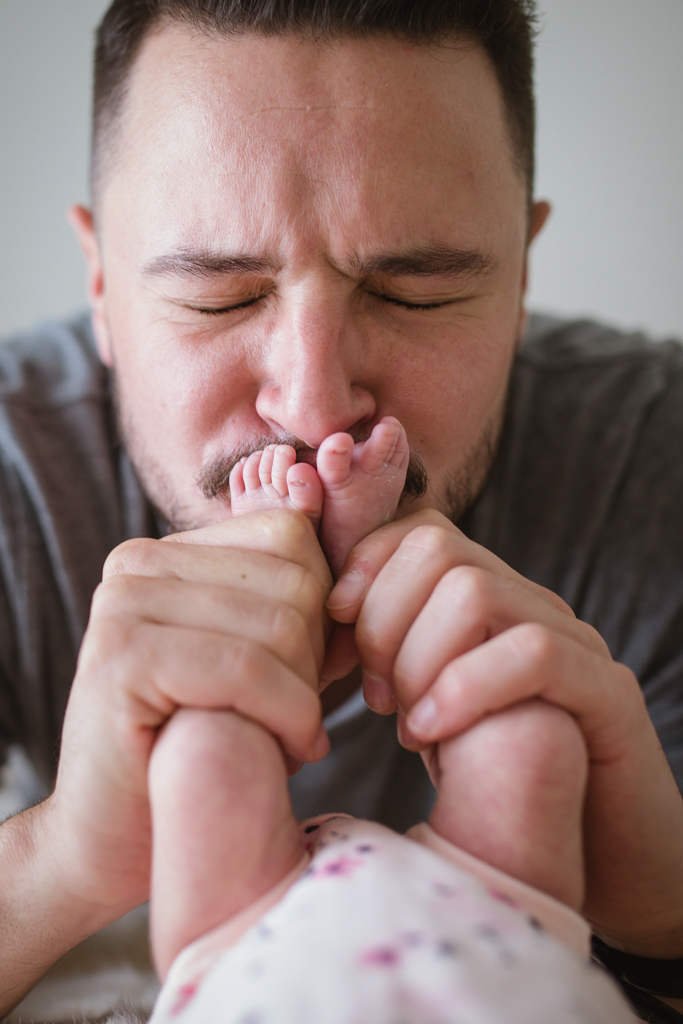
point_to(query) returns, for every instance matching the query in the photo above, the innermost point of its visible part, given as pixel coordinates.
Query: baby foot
(362, 485)
(272, 478)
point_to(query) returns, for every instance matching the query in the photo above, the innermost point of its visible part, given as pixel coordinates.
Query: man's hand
(447, 633)
(227, 617)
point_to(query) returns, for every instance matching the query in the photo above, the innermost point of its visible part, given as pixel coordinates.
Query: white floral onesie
(377, 928)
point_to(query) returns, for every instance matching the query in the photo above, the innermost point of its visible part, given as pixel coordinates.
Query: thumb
(341, 655)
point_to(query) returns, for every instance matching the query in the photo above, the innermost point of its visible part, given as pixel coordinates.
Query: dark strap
(660, 977)
(648, 1008)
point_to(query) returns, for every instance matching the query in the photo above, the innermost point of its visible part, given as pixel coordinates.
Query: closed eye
(209, 311)
(404, 304)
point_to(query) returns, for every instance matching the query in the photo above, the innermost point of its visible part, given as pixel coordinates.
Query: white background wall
(610, 87)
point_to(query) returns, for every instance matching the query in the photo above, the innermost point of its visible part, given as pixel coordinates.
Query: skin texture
(316, 159)
(510, 789)
(358, 486)
(510, 792)
(317, 345)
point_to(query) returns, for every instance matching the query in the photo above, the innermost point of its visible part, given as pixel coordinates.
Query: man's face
(299, 238)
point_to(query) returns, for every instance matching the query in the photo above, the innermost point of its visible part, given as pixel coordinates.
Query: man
(305, 221)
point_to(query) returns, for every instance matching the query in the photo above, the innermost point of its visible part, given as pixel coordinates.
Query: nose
(315, 376)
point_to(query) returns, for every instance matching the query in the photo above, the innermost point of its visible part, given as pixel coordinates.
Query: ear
(539, 214)
(81, 220)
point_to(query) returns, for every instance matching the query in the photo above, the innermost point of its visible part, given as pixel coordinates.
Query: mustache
(214, 479)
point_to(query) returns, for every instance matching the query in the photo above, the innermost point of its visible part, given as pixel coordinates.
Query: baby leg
(224, 832)
(511, 792)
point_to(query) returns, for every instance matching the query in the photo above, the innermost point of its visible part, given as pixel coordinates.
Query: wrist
(41, 916)
(77, 877)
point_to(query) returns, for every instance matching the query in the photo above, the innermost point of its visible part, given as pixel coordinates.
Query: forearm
(40, 919)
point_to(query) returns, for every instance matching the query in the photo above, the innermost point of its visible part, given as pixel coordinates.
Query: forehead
(343, 127)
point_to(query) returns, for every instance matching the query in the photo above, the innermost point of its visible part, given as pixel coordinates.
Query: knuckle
(289, 633)
(537, 644)
(108, 640)
(114, 595)
(431, 517)
(302, 590)
(137, 557)
(596, 642)
(555, 600)
(288, 530)
(625, 682)
(471, 587)
(238, 659)
(428, 538)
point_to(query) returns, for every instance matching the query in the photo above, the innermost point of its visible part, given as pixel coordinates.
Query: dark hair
(505, 29)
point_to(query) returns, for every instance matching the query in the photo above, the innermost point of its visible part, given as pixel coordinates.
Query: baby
(257, 918)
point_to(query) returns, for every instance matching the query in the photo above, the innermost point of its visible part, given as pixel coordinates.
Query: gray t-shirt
(585, 497)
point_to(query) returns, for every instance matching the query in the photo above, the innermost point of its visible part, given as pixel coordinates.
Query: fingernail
(350, 589)
(377, 694)
(422, 718)
(321, 745)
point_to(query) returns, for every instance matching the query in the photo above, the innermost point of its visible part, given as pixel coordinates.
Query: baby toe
(284, 457)
(305, 490)
(266, 466)
(386, 447)
(236, 481)
(333, 461)
(252, 481)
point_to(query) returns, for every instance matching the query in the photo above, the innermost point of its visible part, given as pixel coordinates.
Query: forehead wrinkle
(302, 108)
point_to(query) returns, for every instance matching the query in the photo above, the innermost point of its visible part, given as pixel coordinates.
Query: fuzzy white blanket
(108, 978)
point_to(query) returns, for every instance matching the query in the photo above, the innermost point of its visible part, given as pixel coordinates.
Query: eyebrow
(425, 261)
(204, 263)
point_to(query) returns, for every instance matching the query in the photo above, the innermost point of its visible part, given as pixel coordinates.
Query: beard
(457, 491)
(452, 495)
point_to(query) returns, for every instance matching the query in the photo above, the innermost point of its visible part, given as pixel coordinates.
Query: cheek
(451, 390)
(176, 391)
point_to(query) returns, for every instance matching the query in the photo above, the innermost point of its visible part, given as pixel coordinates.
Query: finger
(406, 582)
(241, 570)
(282, 533)
(467, 607)
(280, 627)
(425, 533)
(378, 695)
(160, 668)
(522, 663)
(341, 656)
